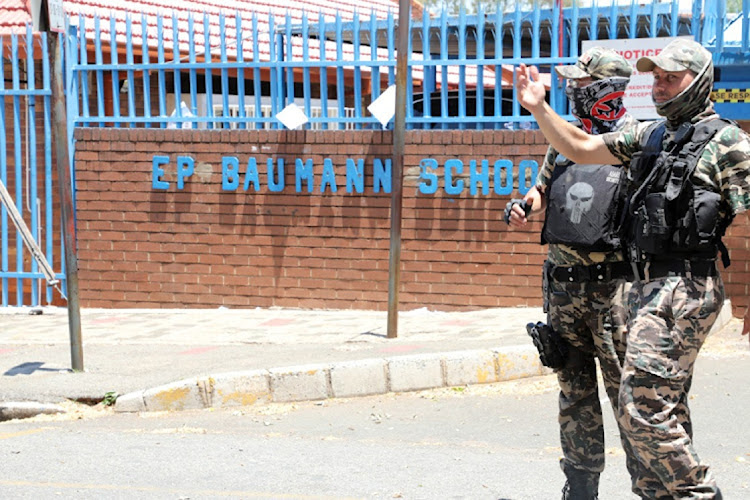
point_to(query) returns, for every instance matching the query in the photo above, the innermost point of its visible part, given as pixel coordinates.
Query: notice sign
(730, 95)
(56, 15)
(637, 98)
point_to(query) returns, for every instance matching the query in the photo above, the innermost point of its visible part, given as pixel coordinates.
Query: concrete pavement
(198, 358)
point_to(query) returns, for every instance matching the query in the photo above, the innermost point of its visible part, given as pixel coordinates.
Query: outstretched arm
(569, 140)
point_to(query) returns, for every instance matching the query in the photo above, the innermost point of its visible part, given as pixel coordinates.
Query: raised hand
(531, 91)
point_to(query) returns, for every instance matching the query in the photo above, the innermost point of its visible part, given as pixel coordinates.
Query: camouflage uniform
(589, 314)
(592, 317)
(672, 315)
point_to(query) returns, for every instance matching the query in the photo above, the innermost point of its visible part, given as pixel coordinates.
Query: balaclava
(694, 103)
(598, 106)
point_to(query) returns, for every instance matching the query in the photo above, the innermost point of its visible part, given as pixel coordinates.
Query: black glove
(525, 206)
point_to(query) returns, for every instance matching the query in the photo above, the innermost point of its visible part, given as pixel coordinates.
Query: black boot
(580, 484)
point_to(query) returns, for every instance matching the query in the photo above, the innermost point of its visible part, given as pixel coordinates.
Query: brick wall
(202, 246)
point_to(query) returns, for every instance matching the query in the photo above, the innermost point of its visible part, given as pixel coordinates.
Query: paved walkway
(192, 358)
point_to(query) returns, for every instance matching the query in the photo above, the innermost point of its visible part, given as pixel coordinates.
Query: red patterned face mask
(598, 106)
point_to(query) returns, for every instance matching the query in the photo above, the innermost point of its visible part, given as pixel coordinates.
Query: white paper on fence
(184, 113)
(292, 116)
(384, 107)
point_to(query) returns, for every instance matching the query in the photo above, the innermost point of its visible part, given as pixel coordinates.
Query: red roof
(14, 15)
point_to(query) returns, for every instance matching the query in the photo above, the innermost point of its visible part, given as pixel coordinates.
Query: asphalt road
(495, 441)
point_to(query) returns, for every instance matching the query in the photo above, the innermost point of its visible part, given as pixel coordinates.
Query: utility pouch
(553, 350)
(651, 225)
(699, 227)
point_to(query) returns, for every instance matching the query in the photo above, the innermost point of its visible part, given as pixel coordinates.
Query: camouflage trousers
(592, 317)
(671, 318)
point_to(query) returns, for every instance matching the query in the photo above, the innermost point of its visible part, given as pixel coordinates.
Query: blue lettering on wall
(454, 178)
(185, 166)
(252, 175)
(157, 172)
(230, 173)
(329, 176)
(355, 175)
(528, 170)
(381, 175)
(453, 166)
(482, 177)
(303, 171)
(503, 177)
(276, 183)
(429, 183)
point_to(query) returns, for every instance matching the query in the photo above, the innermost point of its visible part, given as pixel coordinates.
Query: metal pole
(397, 177)
(60, 139)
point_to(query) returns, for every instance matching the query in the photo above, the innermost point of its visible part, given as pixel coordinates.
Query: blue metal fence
(26, 169)
(460, 67)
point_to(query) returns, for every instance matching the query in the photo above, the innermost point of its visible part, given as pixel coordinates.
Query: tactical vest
(669, 216)
(584, 206)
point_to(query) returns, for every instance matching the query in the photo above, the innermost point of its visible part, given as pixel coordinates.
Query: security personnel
(586, 274)
(697, 173)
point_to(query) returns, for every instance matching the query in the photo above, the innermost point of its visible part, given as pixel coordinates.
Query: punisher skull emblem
(579, 200)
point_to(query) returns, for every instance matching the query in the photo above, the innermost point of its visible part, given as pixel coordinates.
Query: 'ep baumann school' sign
(479, 177)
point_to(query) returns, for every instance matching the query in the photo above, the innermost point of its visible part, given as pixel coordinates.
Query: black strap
(595, 272)
(689, 143)
(663, 268)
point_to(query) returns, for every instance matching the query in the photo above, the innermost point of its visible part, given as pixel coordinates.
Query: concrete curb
(27, 409)
(338, 380)
(349, 378)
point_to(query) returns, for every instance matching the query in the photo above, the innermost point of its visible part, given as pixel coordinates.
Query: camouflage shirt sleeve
(545, 173)
(733, 165)
(624, 143)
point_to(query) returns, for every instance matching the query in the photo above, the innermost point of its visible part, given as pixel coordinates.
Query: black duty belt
(688, 268)
(595, 272)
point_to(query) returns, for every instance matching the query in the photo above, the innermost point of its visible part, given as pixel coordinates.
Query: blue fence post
(427, 71)
(32, 188)
(82, 79)
(323, 71)
(162, 74)
(240, 70)
(192, 73)
(288, 56)
(130, 62)
(209, 79)
(357, 71)
(340, 89)
(5, 266)
(256, 75)
(115, 74)
(48, 213)
(499, 30)
(444, 67)
(224, 71)
(146, 76)
(479, 101)
(17, 145)
(375, 69)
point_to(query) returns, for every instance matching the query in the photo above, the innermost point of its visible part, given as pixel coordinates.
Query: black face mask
(598, 105)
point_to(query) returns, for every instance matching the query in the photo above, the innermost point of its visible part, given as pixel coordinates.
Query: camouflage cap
(598, 63)
(678, 55)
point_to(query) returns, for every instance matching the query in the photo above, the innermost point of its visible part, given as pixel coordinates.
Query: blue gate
(29, 218)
